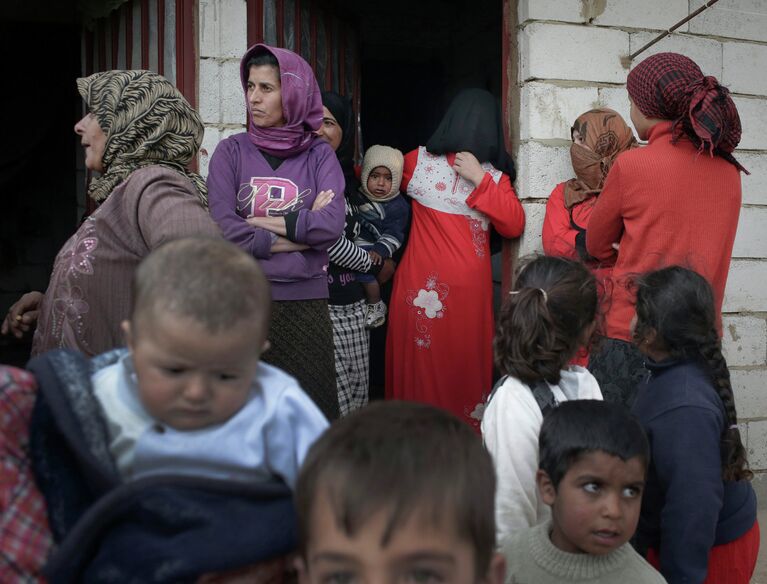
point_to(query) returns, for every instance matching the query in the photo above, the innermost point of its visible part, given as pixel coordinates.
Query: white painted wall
(569, 61)
(223, 40)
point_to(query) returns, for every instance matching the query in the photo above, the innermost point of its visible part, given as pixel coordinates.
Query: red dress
(439, 343)
(558, 239)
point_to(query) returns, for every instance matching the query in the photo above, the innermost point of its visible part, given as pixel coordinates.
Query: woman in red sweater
(598, 135)
(675, 201)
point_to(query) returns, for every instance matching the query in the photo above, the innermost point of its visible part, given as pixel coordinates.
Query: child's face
(379, 181)
(188, 377)
(416, 552)
(596, 507)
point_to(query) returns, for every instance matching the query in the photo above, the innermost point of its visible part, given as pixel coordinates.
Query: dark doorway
(415, 56)
(38, 178)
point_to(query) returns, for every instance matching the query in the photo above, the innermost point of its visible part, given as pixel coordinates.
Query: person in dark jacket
(698, 514)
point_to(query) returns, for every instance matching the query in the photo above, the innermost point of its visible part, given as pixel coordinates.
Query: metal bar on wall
(280, 22)
(128, 12)
(114, 25)
(329, 61)
(161, 36)
(186, 49)
(145, 34)
(255, 11)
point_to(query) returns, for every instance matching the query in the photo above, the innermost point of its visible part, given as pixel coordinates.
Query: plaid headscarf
(147, 122)
(606, 134)
(670, 86)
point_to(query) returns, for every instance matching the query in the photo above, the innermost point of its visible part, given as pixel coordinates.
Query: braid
(734, 463)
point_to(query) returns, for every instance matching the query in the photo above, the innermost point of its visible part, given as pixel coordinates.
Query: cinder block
(744, 342)
(744, 69)
(531, 238)
(751, 238)
(548, 111)
(561, 51)
(753, 113)
(653, 14)
(750, 393)
(757, 444)
(738, 19)
(759, 482)
(233, 109)
(754, 184)
(540, 168)
(617, 98)
(223, 28)
(210, 140)
(210, 91)
(561, 10)
(746, 290)
(706, 53)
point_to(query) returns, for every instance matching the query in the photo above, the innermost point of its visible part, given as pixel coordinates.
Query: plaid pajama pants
(352, 351)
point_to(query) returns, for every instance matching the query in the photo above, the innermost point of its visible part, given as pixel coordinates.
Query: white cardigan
(510, 426)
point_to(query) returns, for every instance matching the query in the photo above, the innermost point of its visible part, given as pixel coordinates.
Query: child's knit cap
(388, 157)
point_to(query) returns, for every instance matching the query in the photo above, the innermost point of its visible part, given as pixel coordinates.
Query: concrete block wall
(223, 40)
(569, 61)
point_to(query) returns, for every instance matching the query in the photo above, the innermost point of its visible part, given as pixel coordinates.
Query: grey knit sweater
(533, 559)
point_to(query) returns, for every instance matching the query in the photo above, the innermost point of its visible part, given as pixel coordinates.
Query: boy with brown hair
(398, 492)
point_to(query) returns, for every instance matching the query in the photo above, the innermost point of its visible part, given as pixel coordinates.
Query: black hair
(407, 460)
(578, 427)
(261, 58)
(677, 304)
(544, 320)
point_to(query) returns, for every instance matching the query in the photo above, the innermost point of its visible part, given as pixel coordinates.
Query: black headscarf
(341, 108)
(473, 124)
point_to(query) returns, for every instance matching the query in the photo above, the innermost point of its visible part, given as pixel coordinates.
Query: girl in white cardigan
(546, 319)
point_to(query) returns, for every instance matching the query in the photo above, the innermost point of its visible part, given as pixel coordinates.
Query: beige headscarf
(146, 121)
(606, 135)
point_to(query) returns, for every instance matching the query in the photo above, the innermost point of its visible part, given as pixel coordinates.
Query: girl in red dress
(439, 343)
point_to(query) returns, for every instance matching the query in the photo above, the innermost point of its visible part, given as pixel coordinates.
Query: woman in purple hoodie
(277, 192)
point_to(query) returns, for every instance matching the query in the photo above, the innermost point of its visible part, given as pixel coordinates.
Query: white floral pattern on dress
(428, 303)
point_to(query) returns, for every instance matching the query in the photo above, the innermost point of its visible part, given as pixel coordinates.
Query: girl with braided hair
(675, 201)
(698, 514)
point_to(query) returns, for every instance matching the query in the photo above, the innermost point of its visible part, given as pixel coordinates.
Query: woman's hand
(22, 316)
(283, 244)
(467, 166)
(322, 200)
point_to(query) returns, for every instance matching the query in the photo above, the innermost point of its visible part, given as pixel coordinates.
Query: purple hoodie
(241, 184)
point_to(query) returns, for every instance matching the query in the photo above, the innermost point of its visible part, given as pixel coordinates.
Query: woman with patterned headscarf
(676, 201)
(139, 135)
(277, 192)
(598, 135)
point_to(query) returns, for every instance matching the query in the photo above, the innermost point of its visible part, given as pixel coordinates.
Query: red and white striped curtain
(158, 35)
(328, 43)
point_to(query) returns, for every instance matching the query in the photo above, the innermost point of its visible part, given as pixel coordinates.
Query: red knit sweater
(665, 204)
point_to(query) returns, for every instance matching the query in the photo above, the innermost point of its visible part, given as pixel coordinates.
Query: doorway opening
(415, 56)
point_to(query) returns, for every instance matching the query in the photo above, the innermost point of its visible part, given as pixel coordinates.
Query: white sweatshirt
(510, 426)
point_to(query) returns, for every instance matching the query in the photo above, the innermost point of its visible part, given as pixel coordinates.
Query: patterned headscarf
(670, 86)
(606, 134)
(301, 104)
(146, 121)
